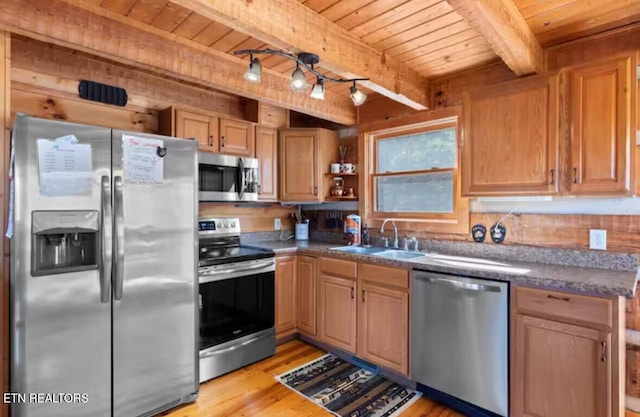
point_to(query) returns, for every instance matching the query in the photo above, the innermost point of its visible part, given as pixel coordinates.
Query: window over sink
(413, 175)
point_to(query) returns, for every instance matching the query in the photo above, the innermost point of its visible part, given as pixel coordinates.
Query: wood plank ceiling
(427, 35)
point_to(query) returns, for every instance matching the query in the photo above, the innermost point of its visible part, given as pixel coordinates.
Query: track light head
(254, 72)
(298, 80)
(357, 96)
(317, 91)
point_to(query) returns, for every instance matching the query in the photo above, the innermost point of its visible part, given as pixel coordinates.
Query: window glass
(420, 193)
(417, 152)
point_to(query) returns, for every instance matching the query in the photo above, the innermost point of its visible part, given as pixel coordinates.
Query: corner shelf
(328, 174)
(333, 198)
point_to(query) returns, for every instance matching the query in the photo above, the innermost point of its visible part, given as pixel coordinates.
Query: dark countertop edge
(584, 288)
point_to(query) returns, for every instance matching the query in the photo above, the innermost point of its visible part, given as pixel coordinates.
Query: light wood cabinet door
(601, 126)
(560, 370)
(511, 139)
(200, 127)
(307, 294)
(383, 326)
(237, 137)
(267, 154)
(337, 312)
(285, 294)
(298, 159)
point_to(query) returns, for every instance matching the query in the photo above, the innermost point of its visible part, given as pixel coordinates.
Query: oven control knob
(219, 225)
(233, 224)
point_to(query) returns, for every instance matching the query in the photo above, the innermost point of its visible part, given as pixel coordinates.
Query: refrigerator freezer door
(61, 329)
(154, 308)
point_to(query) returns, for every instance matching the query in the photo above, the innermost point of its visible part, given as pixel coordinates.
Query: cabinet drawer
(385, 275)
(339, 267)
(570, 307)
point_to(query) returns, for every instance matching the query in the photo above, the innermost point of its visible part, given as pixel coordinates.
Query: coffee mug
(336, 168)
(348, 168)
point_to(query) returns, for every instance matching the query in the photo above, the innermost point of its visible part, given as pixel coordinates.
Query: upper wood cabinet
(602, 122)
(237, 137)
(510, 144)
(267, 154)
(307, 295)
(213, 133)
(567, 355)
(304, 157)
(285, 295)
(200, 127)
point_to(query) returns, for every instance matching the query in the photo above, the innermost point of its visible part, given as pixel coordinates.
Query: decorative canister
(352, 225)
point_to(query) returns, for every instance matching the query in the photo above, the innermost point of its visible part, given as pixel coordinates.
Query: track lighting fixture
(298, 79)
(317, 91)
(357, 96)
(254, 72)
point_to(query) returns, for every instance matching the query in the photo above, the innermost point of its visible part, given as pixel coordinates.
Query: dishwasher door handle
(461, 285)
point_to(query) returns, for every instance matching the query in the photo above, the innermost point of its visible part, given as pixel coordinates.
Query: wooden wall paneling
(5, 109)
(593, 48)
(96, 30)
(81, 111)
(254, 217)
(52, 67)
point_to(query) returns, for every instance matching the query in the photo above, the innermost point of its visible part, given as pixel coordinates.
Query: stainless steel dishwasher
(459, 338)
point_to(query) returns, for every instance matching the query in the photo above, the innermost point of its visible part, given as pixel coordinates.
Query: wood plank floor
(253, 391)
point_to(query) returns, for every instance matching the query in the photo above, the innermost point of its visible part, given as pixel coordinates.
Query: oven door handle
(208, 353)
(239, 271)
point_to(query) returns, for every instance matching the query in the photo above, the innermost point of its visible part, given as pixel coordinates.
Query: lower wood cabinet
(565, 364)
(383, 326)
(337, 312)
(307, 282)
(285, 295)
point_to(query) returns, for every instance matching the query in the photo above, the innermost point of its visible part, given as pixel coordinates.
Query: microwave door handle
(106, 253)
(119, 239)
(241, 179)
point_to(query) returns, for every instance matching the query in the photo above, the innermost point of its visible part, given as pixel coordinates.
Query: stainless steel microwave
(227, 177)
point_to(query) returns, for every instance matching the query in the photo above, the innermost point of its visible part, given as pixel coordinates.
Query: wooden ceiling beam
(293, 27)
(79, 25)
(502, 25)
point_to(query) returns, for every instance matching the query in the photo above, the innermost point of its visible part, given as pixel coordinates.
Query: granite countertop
(562, 277)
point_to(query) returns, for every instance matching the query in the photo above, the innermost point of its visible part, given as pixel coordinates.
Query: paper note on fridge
(64, 167)
(142, 164)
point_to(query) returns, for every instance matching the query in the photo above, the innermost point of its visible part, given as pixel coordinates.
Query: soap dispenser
(366, 237)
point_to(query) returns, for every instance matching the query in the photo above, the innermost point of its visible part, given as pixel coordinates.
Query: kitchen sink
(359, 250)
(384, 253)
(399, 254)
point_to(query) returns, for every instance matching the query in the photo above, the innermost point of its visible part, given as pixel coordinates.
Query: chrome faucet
(395, 232)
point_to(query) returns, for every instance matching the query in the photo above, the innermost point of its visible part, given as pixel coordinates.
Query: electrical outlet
(277, 224)
(597, 239)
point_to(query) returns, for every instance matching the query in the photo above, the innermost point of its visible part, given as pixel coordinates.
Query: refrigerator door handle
(119, 239)
(105, 226)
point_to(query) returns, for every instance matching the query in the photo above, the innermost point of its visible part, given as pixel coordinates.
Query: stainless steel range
(237, 290)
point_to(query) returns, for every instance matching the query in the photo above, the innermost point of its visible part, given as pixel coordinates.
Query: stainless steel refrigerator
(104, 271)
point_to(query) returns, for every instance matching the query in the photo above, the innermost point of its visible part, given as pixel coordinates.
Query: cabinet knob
(211, 140)
(603, 347)
(575, 175)
(352, 293)
(221, 140)
(315, 190)
(553, 177)
(363, 296)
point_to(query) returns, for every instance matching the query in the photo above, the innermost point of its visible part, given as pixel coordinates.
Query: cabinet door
(200, 127)
(601, 145)
(267, 154)
(338, 312)
(307, 294)
(237, 137)
(285, 294)
(383, 326)
(561, 370)
(510, 145)
(298, 158)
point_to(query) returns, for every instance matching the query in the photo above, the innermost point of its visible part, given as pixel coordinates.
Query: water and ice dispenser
(64, 241)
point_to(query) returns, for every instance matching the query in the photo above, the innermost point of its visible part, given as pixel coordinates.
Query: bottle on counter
(366, 237)
(352, 226)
